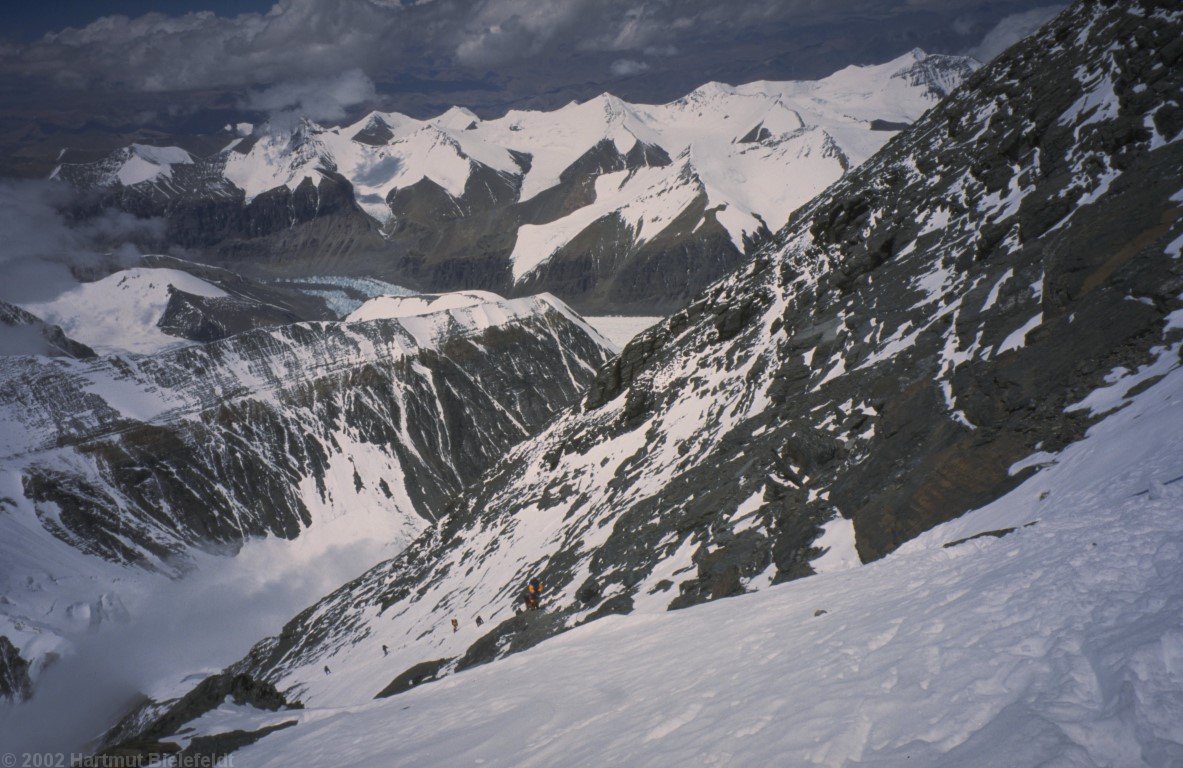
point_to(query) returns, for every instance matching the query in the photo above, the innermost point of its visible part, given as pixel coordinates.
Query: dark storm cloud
(298, 39)
(179, 79)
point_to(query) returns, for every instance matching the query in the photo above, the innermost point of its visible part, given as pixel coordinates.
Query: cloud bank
(45, 251)
(1011, 30)
(324, 99)
(299, 40)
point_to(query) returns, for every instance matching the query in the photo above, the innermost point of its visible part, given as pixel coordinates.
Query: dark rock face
(23, 334)
(251, 304)
(448, 242)
(225, 436)
(283, 232)
(145, 731)
(609, 271)
(887, 125)
(435, 241)
(15, 685)
(888, 357)
(416, 675)
(205, 318)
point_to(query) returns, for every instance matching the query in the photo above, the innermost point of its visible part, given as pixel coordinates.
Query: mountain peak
(457, 119)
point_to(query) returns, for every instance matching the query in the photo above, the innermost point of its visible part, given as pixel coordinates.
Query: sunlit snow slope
(881, 367)
(1058, 643)
(121, 313)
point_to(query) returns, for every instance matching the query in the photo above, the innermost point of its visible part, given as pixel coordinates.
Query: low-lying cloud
(45, 251)
(192, 626)
(627, 67)
(1011, 30)
(324, 99)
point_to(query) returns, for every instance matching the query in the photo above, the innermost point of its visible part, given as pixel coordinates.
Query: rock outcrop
(898, 354)
(127, 462)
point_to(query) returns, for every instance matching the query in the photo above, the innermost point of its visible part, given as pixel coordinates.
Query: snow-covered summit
(461, 189)
(432, 317)
(420, 304)
(122, 312)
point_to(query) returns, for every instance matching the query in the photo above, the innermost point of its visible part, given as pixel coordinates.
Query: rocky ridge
(907, 348)
(138, 460)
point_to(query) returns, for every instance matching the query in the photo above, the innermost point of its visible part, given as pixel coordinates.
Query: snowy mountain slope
(141, 459)
(910, 336)
(121, 312)
(139, 164)
(1058, 643)
(386, 307)
(559, 201)
(168, 302)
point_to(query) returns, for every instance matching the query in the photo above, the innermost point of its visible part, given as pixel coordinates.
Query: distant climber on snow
(455, 625)
(385, 651)
(533, 594)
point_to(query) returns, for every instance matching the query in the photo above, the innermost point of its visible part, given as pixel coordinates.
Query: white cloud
(44, 249)
(318, 98)
(626, 67)
(1011, 30)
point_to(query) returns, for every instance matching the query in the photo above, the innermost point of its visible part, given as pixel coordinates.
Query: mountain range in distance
(613, 207)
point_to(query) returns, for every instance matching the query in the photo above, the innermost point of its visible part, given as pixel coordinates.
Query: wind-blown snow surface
(1058, 644)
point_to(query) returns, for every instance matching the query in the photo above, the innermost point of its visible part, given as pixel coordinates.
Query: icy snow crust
(1059, 644)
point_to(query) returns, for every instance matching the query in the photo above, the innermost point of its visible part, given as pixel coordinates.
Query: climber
(533, 594)
(327, 669)
(455, 625)
(479, 621)
(385, 651)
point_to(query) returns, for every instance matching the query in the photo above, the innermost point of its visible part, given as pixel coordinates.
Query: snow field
(1058, 644)
(620, 329)
(119, 313)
